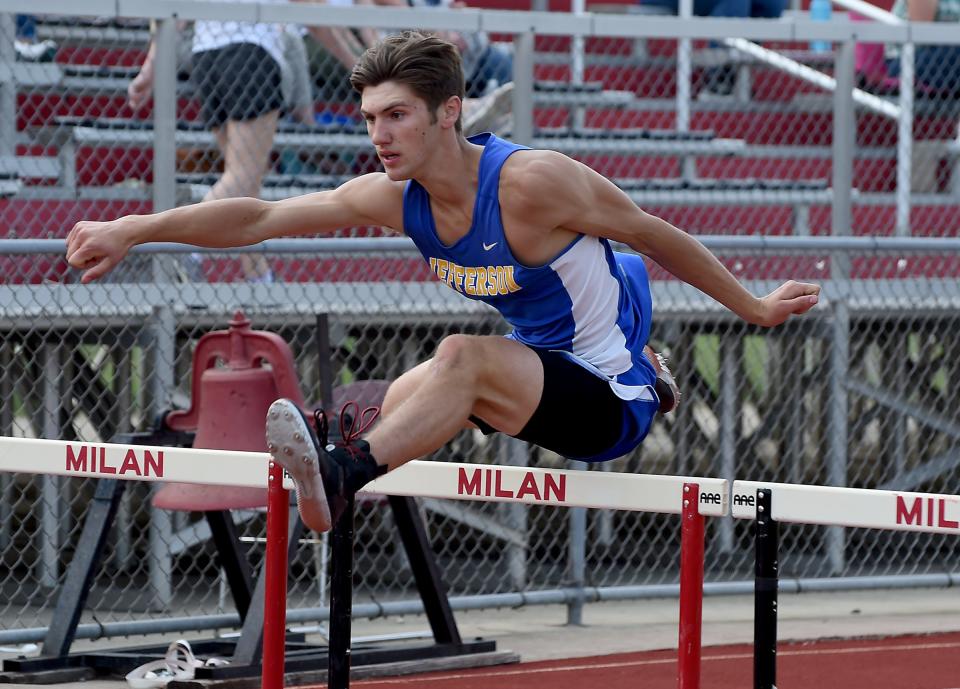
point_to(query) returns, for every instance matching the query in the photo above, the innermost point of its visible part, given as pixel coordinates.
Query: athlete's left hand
(788, 299)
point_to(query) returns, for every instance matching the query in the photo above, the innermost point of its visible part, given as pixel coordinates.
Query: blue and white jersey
(589, 301)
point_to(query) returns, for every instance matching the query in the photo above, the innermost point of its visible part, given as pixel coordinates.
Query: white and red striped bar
(854, 507)
(602, 490)
(134, 462)
(596, 489)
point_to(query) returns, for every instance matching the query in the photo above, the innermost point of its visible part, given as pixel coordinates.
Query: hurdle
(693, 498)
(769, 504)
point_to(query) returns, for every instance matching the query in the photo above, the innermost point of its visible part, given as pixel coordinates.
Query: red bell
(228, 408)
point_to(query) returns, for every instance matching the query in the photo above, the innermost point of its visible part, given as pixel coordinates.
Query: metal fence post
(523, 55)
(164, 132)
(578, 50)
(837, 424)
(51, 504)
(8, 88)
(844, 140)
(165, 115)
(7, 412)
(576, 556)
(163, 327)
(514, 453)
(729, 425)
(162, 380)
(684, 87)
(905, 139)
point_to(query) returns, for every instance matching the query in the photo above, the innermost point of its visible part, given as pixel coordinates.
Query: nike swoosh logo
(487, 247)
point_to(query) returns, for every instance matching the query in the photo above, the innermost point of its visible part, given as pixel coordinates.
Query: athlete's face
(402, 128)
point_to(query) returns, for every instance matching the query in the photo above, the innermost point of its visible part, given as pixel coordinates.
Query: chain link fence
(861, 392)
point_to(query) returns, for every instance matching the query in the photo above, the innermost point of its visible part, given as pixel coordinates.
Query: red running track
(905, 662)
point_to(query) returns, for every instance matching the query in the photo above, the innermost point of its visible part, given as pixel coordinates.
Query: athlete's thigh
(510, 383)
(404, 386)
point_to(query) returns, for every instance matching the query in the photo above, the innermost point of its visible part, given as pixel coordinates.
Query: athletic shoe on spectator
(40, 51)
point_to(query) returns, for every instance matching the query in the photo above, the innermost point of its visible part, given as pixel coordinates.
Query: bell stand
(57, 664)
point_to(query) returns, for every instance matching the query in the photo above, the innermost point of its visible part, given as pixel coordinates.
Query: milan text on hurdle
(145, 464)
(936, 512)
(489, 482)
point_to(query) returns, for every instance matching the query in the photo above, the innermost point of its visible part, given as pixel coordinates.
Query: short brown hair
(429, 65)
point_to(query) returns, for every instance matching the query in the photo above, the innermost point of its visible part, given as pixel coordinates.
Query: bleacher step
(30, 167)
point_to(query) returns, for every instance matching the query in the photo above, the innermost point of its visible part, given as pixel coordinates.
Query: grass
(753, 362)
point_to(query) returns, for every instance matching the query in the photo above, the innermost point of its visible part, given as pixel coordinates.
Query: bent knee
(462, 356)
(458, 350)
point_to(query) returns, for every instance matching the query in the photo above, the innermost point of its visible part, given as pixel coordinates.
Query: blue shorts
(638, 413)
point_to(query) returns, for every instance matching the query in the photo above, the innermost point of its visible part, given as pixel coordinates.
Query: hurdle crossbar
(134, 462)
(456, 481)
(853, 507)
(694, 498)
(558, 487)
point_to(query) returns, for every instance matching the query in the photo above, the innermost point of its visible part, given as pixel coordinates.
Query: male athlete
(525, 231)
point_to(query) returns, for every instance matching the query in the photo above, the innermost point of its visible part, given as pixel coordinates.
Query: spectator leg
(938, 68)
(246, 149)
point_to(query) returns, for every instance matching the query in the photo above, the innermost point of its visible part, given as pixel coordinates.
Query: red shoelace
(354, 422)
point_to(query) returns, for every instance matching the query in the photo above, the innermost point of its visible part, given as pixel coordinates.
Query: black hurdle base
(335, 664)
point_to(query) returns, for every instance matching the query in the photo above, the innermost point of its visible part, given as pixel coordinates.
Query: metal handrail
(870, 11)
(351, 245)
(812, 76)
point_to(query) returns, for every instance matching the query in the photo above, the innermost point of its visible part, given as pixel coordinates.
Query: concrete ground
(541, 632)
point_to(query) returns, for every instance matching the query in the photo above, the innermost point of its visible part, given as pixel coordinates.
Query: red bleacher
(108, 166)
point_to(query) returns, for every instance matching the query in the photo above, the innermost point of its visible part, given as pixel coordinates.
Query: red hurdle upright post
(691, 588)
(275, 600)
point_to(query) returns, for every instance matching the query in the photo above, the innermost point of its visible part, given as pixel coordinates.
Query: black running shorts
(579, 416)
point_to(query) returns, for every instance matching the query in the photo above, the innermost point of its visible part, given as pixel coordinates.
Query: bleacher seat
(771, 153)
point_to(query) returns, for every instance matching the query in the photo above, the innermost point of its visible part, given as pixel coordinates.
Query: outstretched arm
(96, 247)
(568, 195)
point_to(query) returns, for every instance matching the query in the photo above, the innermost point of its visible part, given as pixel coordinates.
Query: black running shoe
(318, 477)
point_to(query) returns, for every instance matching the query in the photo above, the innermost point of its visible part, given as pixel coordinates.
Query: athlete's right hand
(96, 247)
